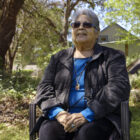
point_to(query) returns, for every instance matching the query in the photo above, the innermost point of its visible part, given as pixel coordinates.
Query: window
(103, 38)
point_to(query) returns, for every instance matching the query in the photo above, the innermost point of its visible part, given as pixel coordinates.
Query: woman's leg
(51, 130)
(96, 130)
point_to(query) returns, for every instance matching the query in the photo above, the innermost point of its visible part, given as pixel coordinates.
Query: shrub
(135, 80)
(135, 87)
(131, 59)
(19, 84)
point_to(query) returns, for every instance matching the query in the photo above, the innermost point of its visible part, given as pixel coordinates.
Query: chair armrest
(125, 120)
(32, 119)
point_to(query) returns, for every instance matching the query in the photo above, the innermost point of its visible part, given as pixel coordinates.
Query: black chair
(125, 120)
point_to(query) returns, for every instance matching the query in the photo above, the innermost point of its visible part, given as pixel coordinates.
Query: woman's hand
(61, 117)
(74, 121)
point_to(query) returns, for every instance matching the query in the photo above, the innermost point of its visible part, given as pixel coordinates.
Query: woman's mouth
(81, 34)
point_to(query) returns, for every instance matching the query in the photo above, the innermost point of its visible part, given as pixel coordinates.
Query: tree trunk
(10, 10)
(9, 59)
(66, 22)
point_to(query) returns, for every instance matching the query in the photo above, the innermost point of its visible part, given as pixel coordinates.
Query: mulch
(14, 111)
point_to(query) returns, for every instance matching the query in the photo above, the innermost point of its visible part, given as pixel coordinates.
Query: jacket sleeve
(46, 97)
(117, 89)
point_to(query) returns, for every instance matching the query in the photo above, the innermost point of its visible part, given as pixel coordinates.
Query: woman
(82, 88)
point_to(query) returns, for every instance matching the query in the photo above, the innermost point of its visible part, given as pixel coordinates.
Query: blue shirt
(77, 102)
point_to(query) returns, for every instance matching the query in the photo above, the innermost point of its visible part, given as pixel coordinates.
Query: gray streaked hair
(89, 13)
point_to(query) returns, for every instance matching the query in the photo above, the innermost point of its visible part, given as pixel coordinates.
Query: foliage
(125, 12)
(36, 33)
(135, 80)
(19, 85)
(44, 57)
(131, 59)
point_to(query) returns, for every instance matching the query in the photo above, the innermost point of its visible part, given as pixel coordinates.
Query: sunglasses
(84, 24)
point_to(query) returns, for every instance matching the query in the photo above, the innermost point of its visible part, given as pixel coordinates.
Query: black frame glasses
(84, 24)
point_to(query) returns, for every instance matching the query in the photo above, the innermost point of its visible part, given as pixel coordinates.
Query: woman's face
(82, 34)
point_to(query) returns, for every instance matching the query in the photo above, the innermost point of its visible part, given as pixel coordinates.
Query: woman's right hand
(61, 117)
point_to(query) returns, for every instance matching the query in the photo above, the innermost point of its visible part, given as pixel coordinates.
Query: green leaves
(126, 12)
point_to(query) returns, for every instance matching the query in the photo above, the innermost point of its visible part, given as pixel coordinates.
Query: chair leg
(32, 119)
(125, 120)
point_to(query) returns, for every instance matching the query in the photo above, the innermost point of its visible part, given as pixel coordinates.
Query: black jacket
(106, 83)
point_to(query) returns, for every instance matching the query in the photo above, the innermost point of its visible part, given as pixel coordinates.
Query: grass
(135, 123)
(10, 132)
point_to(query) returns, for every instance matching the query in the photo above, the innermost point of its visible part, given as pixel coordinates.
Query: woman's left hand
(74, 121)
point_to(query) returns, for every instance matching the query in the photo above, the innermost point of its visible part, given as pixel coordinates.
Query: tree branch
(74, 4)
(49, 21)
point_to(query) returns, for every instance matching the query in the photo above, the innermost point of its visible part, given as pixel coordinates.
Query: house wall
(133, 48)
(114, 33)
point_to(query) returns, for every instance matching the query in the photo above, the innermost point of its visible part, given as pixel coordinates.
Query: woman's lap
(97, 130)
(51, 130)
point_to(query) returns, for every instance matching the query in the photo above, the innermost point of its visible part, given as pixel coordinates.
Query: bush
(135, 80)
(19, 84)
(132, 59)
(135, 88)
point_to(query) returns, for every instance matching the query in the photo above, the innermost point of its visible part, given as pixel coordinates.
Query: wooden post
(126, 49)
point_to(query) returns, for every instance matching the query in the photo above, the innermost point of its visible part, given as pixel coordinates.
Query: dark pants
(97, 130)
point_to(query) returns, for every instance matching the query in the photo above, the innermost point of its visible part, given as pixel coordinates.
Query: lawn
(135, 123)
(13, 132)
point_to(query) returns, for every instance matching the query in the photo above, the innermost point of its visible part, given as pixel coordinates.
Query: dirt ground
(14, 110)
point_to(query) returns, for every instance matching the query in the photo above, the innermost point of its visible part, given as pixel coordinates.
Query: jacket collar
(97, 51)
(67, 58)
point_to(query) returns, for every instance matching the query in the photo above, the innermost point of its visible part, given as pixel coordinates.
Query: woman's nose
(81, 25)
